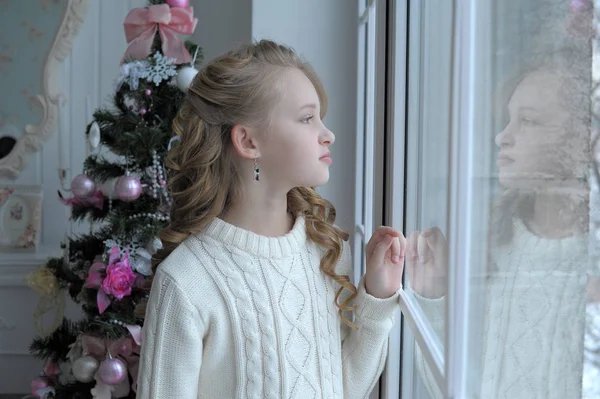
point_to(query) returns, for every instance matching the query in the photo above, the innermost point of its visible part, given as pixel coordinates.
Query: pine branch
(80, 390)
(56, 345)
(62, 271)
(101, 170)
(74, 390)
(89, 244)
(191, 48)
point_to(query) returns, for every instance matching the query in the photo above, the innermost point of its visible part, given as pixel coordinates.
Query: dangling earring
(256, 170)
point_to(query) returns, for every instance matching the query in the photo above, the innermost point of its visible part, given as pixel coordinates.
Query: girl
(534, 318)
(251, 297)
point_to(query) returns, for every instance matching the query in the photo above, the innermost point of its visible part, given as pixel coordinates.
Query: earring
(256, 170)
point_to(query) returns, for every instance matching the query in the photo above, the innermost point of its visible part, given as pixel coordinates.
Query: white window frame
(365, 128)
(369, 128)
(470, 57)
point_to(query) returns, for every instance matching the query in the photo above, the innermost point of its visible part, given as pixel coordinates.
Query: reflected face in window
(541, 145)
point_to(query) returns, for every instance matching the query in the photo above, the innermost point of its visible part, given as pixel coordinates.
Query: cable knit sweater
(534, 320)
(233, 314)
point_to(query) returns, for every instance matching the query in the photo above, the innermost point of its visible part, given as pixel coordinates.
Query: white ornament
(185, 77)
(94, 136)
(142, 263)
(108, 188)
(155, 245)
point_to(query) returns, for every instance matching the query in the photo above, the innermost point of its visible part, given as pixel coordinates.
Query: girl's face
(537, 147)
(294, 151)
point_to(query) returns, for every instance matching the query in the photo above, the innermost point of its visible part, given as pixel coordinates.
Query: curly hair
(203, 180)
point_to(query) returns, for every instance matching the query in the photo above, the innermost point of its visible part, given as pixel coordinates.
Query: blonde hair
(203, 182)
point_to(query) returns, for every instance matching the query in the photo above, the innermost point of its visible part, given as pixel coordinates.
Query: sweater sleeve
(364, 351)
(434, 310)
(171, 351)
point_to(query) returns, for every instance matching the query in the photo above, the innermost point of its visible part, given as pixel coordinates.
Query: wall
(325, 34)
(87, 80)
(221, 25)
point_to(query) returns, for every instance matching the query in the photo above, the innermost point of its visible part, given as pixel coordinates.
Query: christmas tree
(121, 192)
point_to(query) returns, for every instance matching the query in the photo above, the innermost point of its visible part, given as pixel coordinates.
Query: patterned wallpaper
(27, 31)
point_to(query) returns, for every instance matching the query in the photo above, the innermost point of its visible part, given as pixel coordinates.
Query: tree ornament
(108, 188)
(155, 246)
(185, 76)
(143, 111)
(94, 136)
(41, 387)
(178, 3)
(128, 188)
(112, 371)
(148, 92)
(82, 186)
(85, 368)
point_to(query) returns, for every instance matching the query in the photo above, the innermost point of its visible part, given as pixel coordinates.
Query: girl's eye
(307, 119)
(528, 122)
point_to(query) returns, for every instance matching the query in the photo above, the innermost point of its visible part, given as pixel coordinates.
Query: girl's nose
(505, 138)
(327, 136)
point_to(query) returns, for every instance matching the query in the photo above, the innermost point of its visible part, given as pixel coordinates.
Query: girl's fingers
(422, 248)
(395, 250)
(380, 234)
(380, 250)
(412, 245)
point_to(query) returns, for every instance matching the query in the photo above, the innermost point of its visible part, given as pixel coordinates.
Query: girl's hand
(385, 262)
(427, 262)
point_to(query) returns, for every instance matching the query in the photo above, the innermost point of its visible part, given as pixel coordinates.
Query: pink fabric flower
(119, 277)
(116, 279)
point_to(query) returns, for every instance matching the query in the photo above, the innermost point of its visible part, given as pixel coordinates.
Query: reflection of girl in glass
(534, 317)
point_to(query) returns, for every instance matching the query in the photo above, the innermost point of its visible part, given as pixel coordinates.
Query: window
(490, 146)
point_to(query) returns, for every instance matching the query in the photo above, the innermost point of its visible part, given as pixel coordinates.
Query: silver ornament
(94, 136)
(185, 77)
(85, 368)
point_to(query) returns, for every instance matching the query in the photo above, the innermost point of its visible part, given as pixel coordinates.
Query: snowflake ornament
(130, 248)
(162, 68)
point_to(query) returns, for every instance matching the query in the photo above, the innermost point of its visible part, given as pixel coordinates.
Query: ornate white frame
(33, 136)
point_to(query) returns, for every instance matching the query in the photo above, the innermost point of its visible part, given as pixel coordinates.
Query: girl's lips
(504, 160)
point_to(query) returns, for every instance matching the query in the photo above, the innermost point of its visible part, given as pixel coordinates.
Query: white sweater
(233, 314)
(533, 326)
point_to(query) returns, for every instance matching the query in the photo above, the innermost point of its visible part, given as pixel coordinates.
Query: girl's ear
(244, 142)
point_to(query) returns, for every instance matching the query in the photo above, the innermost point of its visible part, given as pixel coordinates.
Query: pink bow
(141, 25)
(96, 200)
(126, 348)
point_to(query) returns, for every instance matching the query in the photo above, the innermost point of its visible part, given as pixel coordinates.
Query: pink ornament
(178, 3)
(143, 111)
(38, 384)
(148, 92)
(83, 187)
(128, 188)
(51, 369)
(112, 371)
